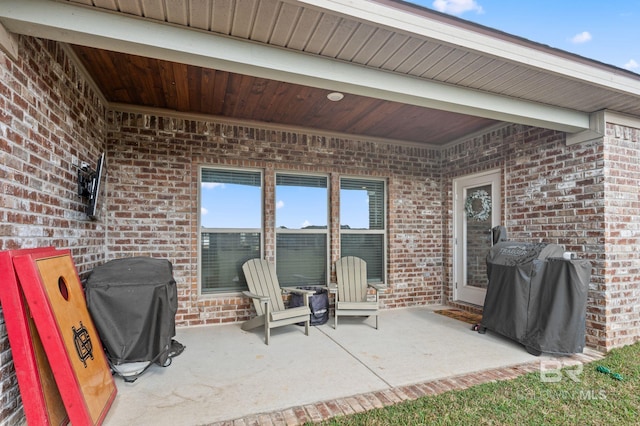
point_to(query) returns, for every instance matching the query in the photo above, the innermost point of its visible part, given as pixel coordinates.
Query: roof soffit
(74, 24)
(416, 21)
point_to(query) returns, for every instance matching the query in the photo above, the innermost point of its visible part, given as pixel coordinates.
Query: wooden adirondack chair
(266, 293)
(352, 290)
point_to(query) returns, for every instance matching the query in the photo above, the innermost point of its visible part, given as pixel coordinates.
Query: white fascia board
(85, 26)
(402, 21)
(596, 130)
(598, 127)
(8, 43)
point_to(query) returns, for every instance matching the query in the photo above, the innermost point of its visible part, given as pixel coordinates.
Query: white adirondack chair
(266, 293)
(352, 290)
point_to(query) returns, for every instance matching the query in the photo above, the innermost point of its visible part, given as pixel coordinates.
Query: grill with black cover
(536, 297)
(133, 303)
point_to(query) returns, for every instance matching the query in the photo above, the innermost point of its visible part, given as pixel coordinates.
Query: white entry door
(476, 210)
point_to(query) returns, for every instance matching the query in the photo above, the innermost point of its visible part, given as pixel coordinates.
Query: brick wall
(551, 193)
(489, 152)
(153, 190)
(554, 194)
(48, 114)
(619, 293)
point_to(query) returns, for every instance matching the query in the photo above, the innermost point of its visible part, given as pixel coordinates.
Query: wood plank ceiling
(300, 27)
(148, 82)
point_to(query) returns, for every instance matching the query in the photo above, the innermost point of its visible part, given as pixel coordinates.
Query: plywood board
(55, 297)
(40, 396)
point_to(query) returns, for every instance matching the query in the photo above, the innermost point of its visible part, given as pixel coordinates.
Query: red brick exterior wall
(48, 115)
(583, 196)
(619, 301)
(153, 165)
(551, 193)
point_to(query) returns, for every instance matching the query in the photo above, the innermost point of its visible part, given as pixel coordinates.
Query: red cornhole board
(56, 301)
(40, 396)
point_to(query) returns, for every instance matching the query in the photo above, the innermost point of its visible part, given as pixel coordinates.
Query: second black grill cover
(536, 297)
(133, 303)
(513, 268)
(559, 307)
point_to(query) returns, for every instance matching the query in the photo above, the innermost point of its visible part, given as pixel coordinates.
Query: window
(301, 229)
(230, 227)
(362, 224)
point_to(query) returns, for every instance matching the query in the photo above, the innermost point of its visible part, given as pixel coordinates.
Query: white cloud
(210, 185)
(279, 204)
(457, 7)
(203, 211)
(582, 37)
(305, 224)
(631, 65)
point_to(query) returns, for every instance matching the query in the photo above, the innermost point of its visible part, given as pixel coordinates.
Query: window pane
(361, 204)
(362, 224)
(301, 259)
(301, 202)
(368, 247)
(230, 199)
(222, 257)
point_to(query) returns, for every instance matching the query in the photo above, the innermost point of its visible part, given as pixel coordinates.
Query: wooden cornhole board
(53, 292)
(40, 396)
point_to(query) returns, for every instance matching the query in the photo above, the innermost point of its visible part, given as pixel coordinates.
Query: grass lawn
(579, 395)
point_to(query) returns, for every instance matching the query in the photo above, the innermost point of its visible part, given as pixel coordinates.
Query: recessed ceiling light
(335, 96)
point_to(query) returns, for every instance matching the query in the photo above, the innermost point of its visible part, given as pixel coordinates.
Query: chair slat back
(351, 274)
(262, 280)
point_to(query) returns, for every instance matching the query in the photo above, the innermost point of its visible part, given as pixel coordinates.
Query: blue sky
(239, 206)
(608, 32)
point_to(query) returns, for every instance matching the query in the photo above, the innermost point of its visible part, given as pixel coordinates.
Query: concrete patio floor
(227, 374)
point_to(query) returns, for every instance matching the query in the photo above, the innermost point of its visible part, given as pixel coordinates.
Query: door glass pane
(477, 210)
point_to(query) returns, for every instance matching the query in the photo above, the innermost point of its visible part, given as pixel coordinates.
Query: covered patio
(337, 94)
(227, 374)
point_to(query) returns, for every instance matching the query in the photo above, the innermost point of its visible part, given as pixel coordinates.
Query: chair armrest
(304, 293)
(378, 287)
(256, 296)
(297, 291)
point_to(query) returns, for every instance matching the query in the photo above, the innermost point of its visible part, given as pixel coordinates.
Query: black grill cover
(513, 268)
(558, 307)
(133, 303)
(537, 297)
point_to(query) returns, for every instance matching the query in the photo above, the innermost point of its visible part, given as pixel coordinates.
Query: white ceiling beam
(90, 27)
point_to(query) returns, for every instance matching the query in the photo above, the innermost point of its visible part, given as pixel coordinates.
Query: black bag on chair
(318, 303)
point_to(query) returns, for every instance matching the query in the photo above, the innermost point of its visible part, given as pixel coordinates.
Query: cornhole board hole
(40, 396)
(53, 292)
